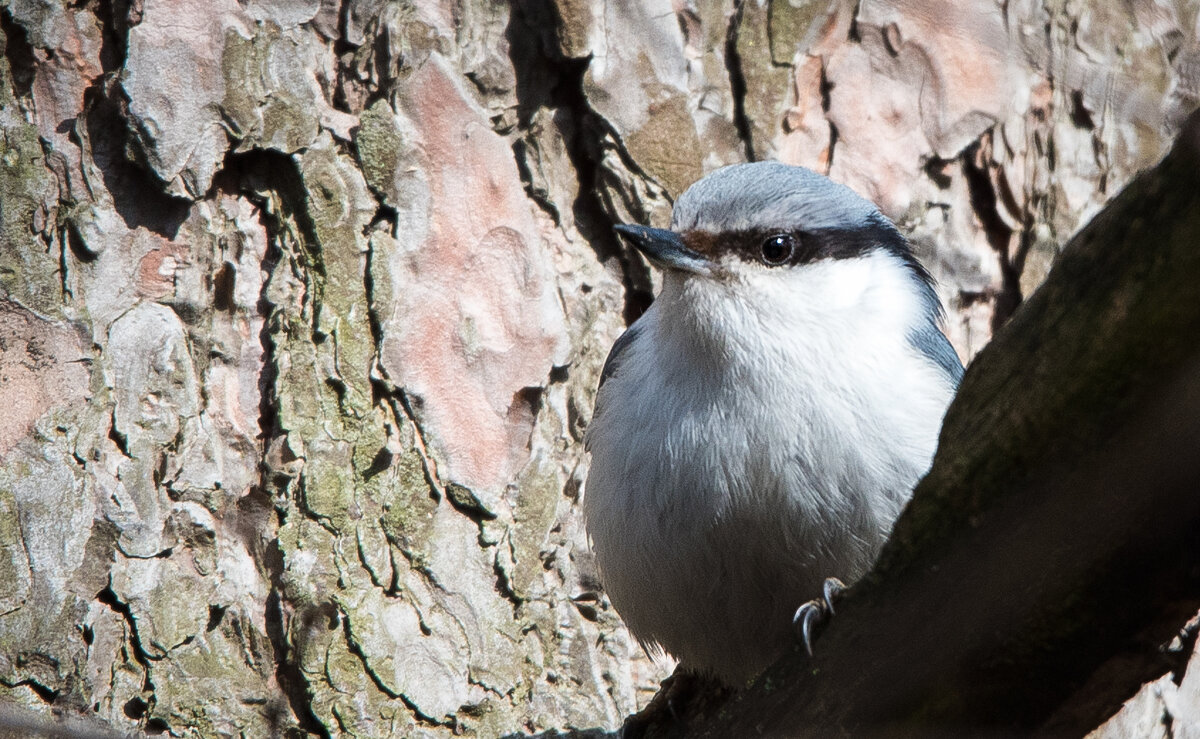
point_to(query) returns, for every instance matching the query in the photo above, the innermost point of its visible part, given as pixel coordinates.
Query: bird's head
(774, 242)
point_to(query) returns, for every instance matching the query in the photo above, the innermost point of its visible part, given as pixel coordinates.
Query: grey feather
(614, 355)
(933, 344)
(611, 364)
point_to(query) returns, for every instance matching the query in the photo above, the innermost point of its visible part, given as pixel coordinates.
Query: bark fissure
(105, 132)
(985, 203)
(737, 80)
(288, 672)
(19, 54)
(46, 694)
(826, 89)
(586, 135)
(402, 408)
(356, 649)
(108, 597)
(393, 400)
(272, 182)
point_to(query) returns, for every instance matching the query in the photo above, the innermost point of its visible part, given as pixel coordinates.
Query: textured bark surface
(303, 303)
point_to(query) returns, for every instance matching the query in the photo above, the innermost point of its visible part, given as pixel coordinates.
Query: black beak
(665, 249)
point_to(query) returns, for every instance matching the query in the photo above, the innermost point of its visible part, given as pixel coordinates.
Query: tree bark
(303, 304)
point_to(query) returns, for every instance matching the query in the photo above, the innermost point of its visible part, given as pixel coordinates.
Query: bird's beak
(665, 249)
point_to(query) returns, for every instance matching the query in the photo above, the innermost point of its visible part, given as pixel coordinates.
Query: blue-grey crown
(770, 195)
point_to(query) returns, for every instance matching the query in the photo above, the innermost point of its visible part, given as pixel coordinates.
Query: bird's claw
(809, 615)
(831, 589)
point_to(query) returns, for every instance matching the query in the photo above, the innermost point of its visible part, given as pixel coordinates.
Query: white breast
(756, 438)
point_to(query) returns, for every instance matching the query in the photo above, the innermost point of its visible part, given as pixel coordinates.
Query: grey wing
(933, 344)
(614, 355)
(611, 364)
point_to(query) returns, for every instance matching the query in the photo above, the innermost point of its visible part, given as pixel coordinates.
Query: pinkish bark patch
(475, 320)
(40, 368)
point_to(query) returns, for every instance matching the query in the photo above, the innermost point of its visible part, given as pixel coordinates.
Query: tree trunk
(304, 303)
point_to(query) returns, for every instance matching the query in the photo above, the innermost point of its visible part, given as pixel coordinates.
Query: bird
(758, 429)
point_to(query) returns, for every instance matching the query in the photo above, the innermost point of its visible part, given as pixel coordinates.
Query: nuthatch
(761, 426)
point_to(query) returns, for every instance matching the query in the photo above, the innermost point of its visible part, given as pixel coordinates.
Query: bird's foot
(816, 612)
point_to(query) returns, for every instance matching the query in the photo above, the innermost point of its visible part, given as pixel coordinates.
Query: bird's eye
(778, 249)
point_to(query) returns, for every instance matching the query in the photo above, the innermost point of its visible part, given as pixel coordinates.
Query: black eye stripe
(808, 246)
